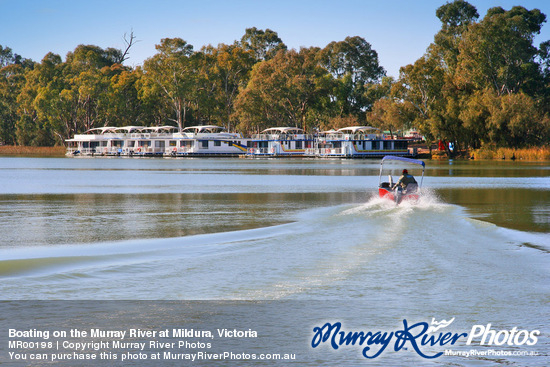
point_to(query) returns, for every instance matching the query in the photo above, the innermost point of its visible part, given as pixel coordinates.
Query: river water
(309, 232)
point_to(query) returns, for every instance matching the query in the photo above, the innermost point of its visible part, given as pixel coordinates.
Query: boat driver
(406, 181)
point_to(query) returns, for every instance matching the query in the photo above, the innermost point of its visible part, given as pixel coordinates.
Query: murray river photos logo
(419, 337)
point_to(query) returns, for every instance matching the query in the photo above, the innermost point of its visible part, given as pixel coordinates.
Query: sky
(398, 30)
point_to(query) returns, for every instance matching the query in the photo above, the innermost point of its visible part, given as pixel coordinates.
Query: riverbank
(527, 154)
(487, 153)
(19, 150)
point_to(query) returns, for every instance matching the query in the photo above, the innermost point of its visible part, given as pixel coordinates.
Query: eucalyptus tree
(123, 107)
(498, 51)
(474, 84)
(228, 71)
(170, 73)
(282, 91)
(264, 44)
(205, 105)
(38, 101)
(499, 62)
(354, 64)
(6, 56)
(12, 81)
(455, 19)
(73, 97)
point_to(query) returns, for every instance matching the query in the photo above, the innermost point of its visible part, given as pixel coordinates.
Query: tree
(498, 52)
(12, 80)
(477, 82)
(455, 17)
(281, 91)
(264, 44)
(228, 71)
(170, 73)
(354, 64)
(421, 85)
(31, 127)
(6, 56)
(122, 104)
(388, 114)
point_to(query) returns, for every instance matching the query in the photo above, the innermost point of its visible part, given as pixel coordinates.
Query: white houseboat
(357, 142)
(280, 142)
(208, 140)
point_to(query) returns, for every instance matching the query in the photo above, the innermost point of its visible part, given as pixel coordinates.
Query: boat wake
(376, 248)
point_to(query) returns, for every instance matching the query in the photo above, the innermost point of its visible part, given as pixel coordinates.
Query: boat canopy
(283, 130)
(204, 129)
(356, 129)
(129, 129)
(331, 131)
(403, 159)
(159, 129)
(100, 130)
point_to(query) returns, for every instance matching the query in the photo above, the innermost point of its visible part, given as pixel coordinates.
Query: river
(288, 232)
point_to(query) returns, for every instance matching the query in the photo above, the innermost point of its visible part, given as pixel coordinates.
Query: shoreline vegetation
(20, 150)
(481, 84)
(526, 154)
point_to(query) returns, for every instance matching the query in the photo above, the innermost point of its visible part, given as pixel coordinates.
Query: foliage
(281, 91)
(480, 83)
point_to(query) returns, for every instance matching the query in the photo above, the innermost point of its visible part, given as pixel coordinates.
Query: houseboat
(280, 142)
(357, 142)
(208, 140)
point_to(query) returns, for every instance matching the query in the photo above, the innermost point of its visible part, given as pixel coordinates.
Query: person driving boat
(406, 182)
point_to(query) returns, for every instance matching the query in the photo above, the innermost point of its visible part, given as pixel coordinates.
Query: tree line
(480, 82)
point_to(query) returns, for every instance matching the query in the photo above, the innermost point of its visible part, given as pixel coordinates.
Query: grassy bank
(526, 154)
(17, 150)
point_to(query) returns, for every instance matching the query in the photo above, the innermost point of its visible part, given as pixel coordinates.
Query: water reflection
(487, 169)
(47, 219)
(521, 209)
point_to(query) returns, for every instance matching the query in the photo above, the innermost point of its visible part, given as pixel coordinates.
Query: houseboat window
(159, 144)
(217, 143)
(376, 144)
(172, 143)
(145, 143)
(187, 143)
(401, 145)
(204, 144)
(299, 144)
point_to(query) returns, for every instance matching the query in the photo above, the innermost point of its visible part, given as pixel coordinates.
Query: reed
(525, 154)
(19, 150)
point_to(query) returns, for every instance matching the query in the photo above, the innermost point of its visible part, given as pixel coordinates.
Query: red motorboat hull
(390, 195)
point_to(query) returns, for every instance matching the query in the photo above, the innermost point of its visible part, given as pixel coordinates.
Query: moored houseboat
(208, 140)
(357, 142)
(280, 142)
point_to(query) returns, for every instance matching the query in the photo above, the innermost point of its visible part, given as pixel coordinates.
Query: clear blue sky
(399, 30)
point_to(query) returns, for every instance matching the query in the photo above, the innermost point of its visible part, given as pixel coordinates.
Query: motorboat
(388, 190)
